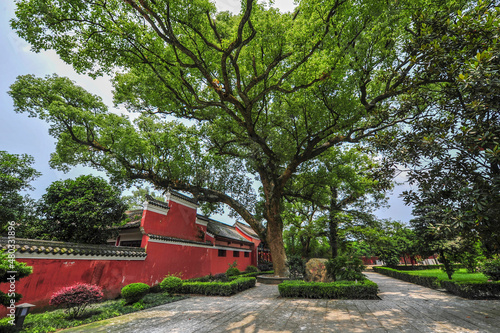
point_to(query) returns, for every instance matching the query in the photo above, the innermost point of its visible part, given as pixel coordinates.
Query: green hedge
(206, 278)
(253, 274)
(426, 281)
(424, 267)
(218, 288)
(364, 289)
(473, 290)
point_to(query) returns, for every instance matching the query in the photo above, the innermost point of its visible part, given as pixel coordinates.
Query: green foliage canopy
(81, 210)
(15, 175)
(265, 91)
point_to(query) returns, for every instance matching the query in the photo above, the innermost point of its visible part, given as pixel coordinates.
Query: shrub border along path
(403, 307)
(364, 289)
(471, 290)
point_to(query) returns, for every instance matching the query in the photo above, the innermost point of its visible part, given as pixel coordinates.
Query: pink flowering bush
(76, 298)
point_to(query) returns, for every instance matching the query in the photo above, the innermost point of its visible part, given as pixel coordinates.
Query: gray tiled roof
(223, 230)
(182, 196)
(247, 229)
(158, 203)
(51, 247)
(173, 239)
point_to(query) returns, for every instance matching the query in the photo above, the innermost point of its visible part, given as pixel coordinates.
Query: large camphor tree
(263, 91)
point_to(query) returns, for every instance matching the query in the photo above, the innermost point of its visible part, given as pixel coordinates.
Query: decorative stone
(316, 270)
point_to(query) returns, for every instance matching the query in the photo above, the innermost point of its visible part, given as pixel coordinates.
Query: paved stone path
(404, 307)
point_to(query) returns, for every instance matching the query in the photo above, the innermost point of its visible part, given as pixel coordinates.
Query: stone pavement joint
(403, 307)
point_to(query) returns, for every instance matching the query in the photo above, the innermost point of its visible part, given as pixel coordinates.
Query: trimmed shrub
(424, 267)
(345, 268)
(254, 274)
(251, 269)
(265, 265)
(426, 281)
(206, 278)
(296, 267)
(134, 292)
(491, 268)
(218, 288)
(364, 289)
(76, 298)
(155, 289)
(232, 271)
(473, 290)
(171, 284)
(6, 326)
(220, 277)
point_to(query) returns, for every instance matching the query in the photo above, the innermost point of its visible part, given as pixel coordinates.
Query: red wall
(256, 242)
(178, 223)
(221, 264)
(187, 261)
(50, 275)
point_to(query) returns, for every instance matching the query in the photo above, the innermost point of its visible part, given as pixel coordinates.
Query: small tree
(81, 210)
(76, 298)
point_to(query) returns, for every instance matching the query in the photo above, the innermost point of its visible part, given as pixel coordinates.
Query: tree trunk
(276, 245)
(333, 224)
(448, 268)
(333, 236)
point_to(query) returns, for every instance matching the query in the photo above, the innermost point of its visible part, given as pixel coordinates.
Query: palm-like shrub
(76, 298)
(134, 292)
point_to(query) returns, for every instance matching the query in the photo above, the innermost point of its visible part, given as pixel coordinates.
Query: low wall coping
(35, 248)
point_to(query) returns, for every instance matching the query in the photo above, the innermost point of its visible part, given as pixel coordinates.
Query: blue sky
(20, 134)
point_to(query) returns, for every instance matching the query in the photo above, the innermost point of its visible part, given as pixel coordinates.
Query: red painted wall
(188, 261)
(50, 275)
(221, 264)
(256, 242)
(178, 223)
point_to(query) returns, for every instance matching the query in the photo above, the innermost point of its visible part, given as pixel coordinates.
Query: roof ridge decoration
(35, 247)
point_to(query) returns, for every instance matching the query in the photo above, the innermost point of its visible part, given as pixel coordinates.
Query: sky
(20, 134)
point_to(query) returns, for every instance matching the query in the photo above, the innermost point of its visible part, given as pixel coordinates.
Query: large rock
(316, 270)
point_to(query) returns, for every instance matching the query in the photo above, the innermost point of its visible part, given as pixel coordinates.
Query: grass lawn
(460, 275)
(55, 320)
